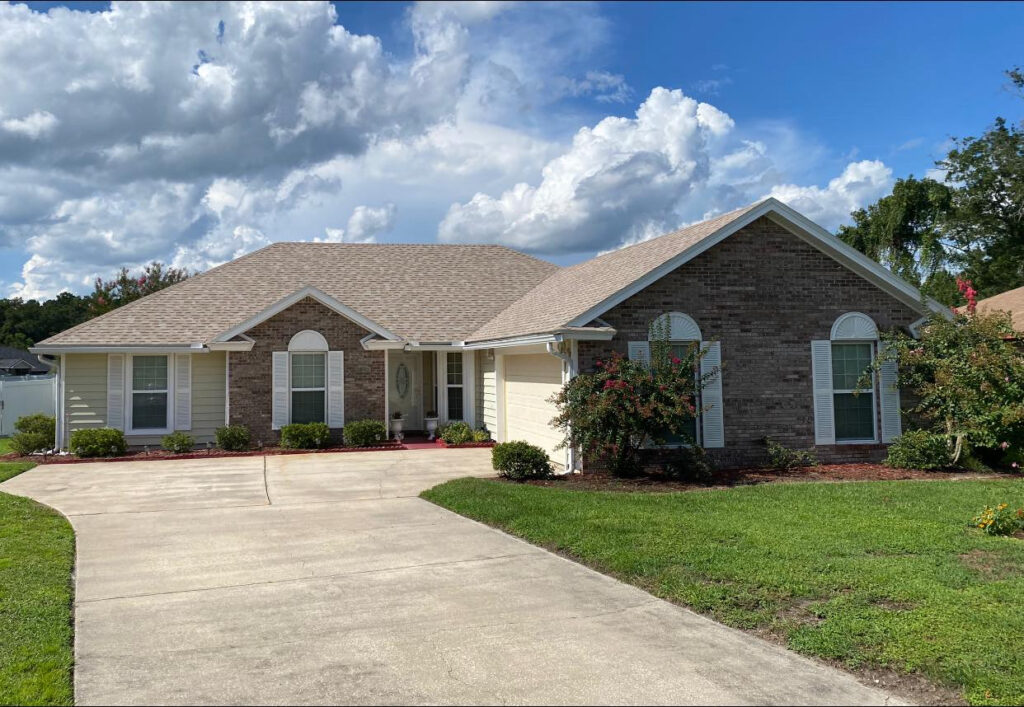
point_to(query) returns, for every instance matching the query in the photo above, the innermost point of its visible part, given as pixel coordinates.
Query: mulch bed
(465, 445)
(728, 478)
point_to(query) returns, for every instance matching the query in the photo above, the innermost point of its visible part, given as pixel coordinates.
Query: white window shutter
(712, 417)
(279, 389)
(640, 351)
(890, 400)
(183, 391)
(335, 389)
(115, 391)
(821, 375)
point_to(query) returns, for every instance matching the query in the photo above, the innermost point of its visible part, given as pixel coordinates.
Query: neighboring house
(339, 332)
(1011, 301)
(18, 362)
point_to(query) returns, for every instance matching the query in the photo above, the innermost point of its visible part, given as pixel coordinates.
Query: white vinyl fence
(24, 395)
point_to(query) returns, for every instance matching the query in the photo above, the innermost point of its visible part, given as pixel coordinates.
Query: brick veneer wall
(250, 372)
(765, 295)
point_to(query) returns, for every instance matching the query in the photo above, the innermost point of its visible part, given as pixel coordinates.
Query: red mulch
(465, 445)
(728, 478)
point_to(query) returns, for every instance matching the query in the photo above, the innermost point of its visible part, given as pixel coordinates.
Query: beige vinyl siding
(85, 391)
(486, 392)
(85, 396)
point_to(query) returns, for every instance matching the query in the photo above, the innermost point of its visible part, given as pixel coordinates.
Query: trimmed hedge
(456, 433)
(919, 449)
(36, 433)
(233, 438)
(178, 442)
(98, 442)
(520, 460)
(365, 433)
(309, 435)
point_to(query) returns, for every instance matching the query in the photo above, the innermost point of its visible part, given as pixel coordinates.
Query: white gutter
(141, 349)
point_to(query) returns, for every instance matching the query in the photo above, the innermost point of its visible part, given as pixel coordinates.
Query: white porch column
(469, 387)
(499, 394)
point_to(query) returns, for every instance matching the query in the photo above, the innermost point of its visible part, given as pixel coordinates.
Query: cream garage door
(529, 382)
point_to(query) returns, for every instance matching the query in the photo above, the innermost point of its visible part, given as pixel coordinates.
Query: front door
(405, 378)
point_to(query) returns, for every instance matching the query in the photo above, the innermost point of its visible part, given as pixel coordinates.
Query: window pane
(149, 411)
(854, 416)
(849, 361)
(455, 368)
(686, 435)
(308, 406)
(455, 402)
(149, 373)
(308, 370)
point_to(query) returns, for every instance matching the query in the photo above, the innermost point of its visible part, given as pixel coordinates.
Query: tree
(616, 411)
(905, 230)
(126, 287)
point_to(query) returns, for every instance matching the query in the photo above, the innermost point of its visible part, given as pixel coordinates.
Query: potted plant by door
(431, 421)
(396, 425)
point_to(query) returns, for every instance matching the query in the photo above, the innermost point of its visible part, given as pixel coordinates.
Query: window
(308, 387)
(854, 414)
(150, 399)
(688, 434)
(684, 334)
(454, 382)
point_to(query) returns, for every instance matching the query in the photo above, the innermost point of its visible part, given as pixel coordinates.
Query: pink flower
(1015, 465)
(1004, 445)
(676, 361)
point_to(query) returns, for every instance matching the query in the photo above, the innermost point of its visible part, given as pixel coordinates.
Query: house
(1011, 301)
(18, 362)
(338, 332)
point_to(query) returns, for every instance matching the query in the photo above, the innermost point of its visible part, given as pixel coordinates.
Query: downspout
(567, 374)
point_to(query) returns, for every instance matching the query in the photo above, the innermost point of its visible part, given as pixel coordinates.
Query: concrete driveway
(323, 579)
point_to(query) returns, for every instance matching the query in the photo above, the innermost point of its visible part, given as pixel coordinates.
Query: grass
(37, 550)
(881, 574)
(5, 445)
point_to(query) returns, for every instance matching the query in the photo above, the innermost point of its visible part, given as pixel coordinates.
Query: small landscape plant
(481, 435)
(783, 458)
(456, 433)
(178, 442)
(688, 464)
(1001, 520)
(919, 449)
(308, 435)
(365, 433)
(233, 438)
(35, 433)
(98, 442)
(520, 460)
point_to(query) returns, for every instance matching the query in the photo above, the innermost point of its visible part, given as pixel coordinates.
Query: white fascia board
(508, 343)
(565, 334)
(141, 349)
(297, 296)
(801, 226)
(381, 344)
(231, 346)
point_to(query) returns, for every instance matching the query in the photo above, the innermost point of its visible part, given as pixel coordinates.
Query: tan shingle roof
(571, 292)
(422, 292)
(1011, 301)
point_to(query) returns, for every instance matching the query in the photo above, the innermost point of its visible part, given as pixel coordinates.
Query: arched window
(307, 353)
(845, 391)
(683, 335)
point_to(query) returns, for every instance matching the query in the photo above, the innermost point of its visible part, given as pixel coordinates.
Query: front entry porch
(430, 383)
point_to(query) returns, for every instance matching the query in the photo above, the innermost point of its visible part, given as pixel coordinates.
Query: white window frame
(873, 344)
(698, 437)
(129, 385)
(292, 389)
(679, 322)
(461, 385)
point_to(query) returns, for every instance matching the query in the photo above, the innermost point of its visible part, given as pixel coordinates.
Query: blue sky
(122, 153)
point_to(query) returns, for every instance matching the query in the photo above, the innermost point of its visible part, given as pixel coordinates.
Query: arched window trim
(308, 340)
(854, 326)
(682, 327)
(857, 328)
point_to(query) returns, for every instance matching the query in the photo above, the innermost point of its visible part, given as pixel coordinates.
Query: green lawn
(5, 445)
(869, 574)
(37, 550)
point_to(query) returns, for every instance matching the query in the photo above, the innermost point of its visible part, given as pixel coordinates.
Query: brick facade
(250, 372)
(765, 294)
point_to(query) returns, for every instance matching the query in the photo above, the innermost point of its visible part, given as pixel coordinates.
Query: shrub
(481, 435)
(688, 464)
(520, 460)
(365, 433)
(36, 433)
(98, 442)
(1000, 520)
(178, 442)
(456, 433)
(233, 438)
(919, 449)
(309, 435)
(783, 458)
